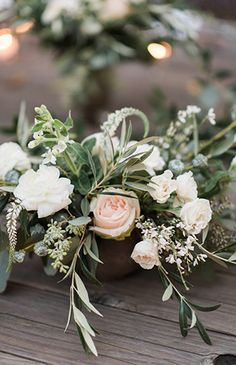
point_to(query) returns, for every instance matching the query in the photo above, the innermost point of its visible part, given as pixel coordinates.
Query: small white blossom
(193, 109)
(211, 116)
(49, 157)
(190, 110)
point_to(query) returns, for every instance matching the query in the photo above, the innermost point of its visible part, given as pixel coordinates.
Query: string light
(160, 51)
(9, 45)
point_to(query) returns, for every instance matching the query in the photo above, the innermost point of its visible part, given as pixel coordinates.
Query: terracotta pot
(116, 259)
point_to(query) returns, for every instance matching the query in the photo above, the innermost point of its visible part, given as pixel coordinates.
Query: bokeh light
(160, 51)
(9, 45)
(24, 27)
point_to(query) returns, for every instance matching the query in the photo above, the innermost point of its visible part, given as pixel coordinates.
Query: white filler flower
(44, 191)
(196, 215)
(12, 157)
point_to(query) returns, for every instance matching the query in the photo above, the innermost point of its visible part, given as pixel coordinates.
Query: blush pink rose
(115, 214)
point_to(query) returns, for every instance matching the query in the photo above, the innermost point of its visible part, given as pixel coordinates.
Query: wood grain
(136, 329)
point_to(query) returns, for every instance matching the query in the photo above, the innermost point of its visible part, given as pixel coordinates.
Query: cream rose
(114, 215)
(44, 191)
(163, 186)
(145, 254)
(12, 157)
(154, 162)
(186, 188)
(196, 215)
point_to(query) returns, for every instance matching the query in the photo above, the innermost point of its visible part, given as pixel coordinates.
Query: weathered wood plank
(9, 359)
(142, 292)
(126, 336)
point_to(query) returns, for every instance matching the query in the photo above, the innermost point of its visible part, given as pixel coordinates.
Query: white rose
(114, 9)
(12, 157)
(44, 191)
(196, 215)
(145, 254)
(163, 186)
(186, 188)
(154, 162)
(115, 214)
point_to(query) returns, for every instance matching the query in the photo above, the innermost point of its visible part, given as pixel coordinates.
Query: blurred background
(185, 58)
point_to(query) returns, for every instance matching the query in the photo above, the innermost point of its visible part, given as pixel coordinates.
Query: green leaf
(220, 148)
(89, 342)
(4, 273)
(37, 127)
(203, 333)
(83, 294)
(87, 247)
(92, 165)
(194, 319)
(60, 126)
(83, 184)
(23, 129)
(85, 206)
(167, 293)
(183, 322)
(69, 122)
(205, 309)
(89, 143)
(212, 183)
(139, 186)
(81, 320)
(78, 153)
(233, 257)
(88, 274)
(80, 221)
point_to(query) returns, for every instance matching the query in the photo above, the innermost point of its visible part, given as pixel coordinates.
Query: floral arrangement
(92, 36)
(58, 197)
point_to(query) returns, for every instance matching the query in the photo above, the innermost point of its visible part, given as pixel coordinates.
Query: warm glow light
(160, 51)
(9, 45)
(25, 27)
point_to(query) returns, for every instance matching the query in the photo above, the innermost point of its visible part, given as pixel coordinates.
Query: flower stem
(70, 163)
(218, 136)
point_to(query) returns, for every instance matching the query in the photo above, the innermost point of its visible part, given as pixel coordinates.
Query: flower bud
(200, 161)
(19, 256)
(40, 249)
(12, 176)
(176, 166)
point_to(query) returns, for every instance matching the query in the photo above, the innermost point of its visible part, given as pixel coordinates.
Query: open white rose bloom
(77, 198)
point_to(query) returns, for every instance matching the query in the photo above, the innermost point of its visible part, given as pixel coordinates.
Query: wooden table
(137, 327)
